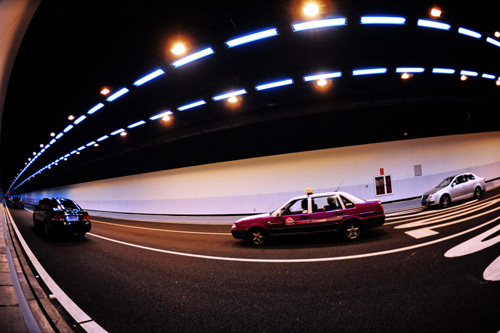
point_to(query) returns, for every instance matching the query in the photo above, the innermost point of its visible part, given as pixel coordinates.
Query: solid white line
(356, 256)
(430, 212)
(64, 300)
(445, 217)
(492, 272)
(163, 230)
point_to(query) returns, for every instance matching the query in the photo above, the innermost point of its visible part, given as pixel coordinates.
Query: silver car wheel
(445, 201)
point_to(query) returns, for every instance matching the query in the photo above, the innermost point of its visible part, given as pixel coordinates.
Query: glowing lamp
(311, 9)
(436, 12)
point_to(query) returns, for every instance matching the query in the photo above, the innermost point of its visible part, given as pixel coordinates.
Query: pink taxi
(313, 213)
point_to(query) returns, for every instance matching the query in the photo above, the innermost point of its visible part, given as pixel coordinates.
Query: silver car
(462, 186)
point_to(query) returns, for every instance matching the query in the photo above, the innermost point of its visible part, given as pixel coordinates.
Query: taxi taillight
(86, 217)
(380, 206)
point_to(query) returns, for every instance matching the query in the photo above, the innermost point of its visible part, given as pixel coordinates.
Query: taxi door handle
(339, 213)
(304, 217)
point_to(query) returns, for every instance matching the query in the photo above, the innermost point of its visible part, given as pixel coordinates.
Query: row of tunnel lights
(320, 78)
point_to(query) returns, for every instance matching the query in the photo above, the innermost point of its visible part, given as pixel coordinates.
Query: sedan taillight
(58, 217)
(86, 217)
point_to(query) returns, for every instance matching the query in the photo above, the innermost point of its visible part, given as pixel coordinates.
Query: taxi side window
(347, 203)
(328, 203)
(294, 208)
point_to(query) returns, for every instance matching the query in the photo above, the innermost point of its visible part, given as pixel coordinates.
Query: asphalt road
(151, 277)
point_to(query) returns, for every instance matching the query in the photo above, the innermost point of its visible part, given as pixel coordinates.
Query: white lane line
(163, 230)
(410, 233)
(492, 272)
(446, 217)
(74, 310)
(421, 233)
(430, 212)
(475, 244)
(356, 256)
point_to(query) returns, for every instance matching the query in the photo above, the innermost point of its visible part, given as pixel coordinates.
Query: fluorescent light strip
(161, 115)
(80, 119)
(66, 156)
(149, 77)
(52, 141)
(91, 143)
(191, 105)
(369, 71)
(468, 73)
(469, 33)
(95, 108)
(443, 70)
(81, 148)
(229, 94)
(382, 20)
(193, 57)
(274, 84)
(117, 131)
(68, 128)
(433, 24)
(493, 41)
(102, 138)
(117, 94)
(73, 152)
(410, 70)
(139, 123)
(252, 37)
(334, 22)
(488, 76)
(58, 136)
(315, 77)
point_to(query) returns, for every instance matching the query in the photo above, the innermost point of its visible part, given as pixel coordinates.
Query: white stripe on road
(164, 230)
(448, 216)
(356, 256)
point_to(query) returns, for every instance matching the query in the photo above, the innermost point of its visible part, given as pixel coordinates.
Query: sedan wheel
(257, 237)
(352, 231)
(477, 193)
(445, 201)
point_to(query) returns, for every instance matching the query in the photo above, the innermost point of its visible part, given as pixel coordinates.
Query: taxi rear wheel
(257, 237)
(351, 231)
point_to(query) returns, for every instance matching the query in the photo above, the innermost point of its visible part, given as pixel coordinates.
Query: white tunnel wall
(261, 184)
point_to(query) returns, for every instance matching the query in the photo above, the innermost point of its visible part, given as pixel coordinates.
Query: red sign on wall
(381, 171)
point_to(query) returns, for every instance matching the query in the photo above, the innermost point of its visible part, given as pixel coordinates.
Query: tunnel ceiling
(72, 50)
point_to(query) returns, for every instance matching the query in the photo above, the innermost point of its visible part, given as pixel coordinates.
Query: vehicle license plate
(72, 218)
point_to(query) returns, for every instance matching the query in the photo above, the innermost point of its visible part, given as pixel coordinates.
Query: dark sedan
(60, 215)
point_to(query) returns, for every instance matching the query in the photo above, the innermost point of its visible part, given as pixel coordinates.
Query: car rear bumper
(375, 222)
(69, 227)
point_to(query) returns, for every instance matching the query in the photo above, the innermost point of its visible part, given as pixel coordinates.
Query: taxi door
(328, 215)
(295, 219)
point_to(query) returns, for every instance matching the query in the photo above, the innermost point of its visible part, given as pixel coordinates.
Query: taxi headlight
(234, 226)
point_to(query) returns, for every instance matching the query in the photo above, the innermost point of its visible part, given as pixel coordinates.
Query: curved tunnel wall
(261, 184)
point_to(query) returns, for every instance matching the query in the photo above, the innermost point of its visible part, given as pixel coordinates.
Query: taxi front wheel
(257, 236)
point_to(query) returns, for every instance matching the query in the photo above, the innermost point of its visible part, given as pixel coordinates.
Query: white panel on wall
(262, 184)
